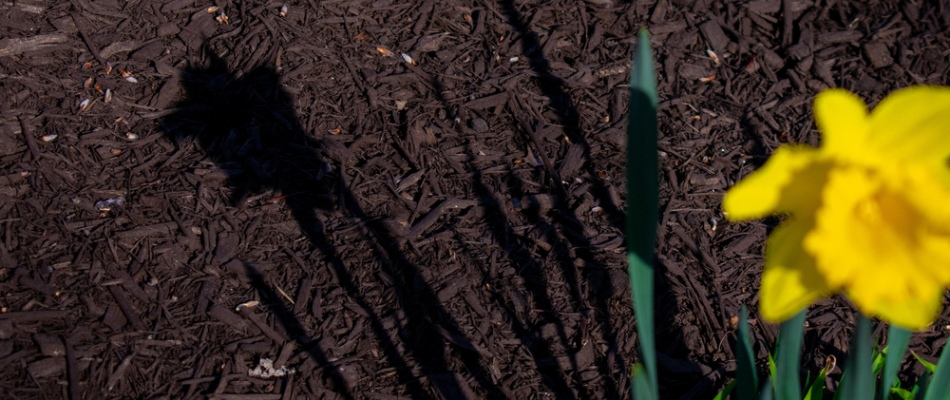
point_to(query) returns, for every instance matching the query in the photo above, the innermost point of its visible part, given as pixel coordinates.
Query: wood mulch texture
(402, 199)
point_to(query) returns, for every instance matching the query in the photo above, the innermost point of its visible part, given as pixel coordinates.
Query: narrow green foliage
(923, 383)
(860, 382)
(878, 364)
(767, 389)
(941, 379)
(748, 380)
(903, 394)
(931, 367)
(640, 384)
(642, 207)
(785, 376)
(724, 394)
(897, 339)
(817, 387)
(772, 370)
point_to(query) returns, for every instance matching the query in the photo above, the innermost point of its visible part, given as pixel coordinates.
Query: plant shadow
(245, 123)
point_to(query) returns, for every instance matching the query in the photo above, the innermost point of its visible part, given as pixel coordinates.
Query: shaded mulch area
(189, 194)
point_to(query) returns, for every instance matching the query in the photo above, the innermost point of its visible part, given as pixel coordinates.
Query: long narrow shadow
(543, 354)
(553, 88)
(530, 271)
(246, 124)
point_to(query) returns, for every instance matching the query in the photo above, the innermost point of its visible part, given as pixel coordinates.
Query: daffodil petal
(928, 189)
(843, 121)
(790, 281)
(913, 125)
(912, 307)
(933, 255)
(789, 181)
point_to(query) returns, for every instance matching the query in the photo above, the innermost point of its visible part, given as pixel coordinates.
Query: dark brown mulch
(445, 226)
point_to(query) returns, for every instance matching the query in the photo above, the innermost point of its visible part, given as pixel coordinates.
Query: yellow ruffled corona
(868, 213)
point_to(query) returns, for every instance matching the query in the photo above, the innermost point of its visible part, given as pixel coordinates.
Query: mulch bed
(191, 196)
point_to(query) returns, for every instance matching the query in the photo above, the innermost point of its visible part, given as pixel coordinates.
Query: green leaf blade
(746, 377)
(939, 384)
(897, 340)
(860, 381)
(786, 380)
(643, 203)
(640, 384)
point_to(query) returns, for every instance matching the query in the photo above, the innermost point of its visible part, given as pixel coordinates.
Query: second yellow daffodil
(868, 213)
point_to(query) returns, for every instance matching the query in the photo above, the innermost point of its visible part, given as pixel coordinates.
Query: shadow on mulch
(246, 124)
(554, 88)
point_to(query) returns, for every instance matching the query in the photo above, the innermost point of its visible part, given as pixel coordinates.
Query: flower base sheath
(868, 213)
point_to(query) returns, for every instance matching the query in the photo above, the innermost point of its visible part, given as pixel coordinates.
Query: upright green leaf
(817, 387)
(746, 377)
(643, 201)
(640, 384)
(787, 384)
(939, 386)
(766, 391)
(921, 389)
(931, 367)
(724, 394)
(860, 382)
(897, 339)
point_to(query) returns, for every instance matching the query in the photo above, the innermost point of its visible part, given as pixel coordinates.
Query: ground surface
(446, 228)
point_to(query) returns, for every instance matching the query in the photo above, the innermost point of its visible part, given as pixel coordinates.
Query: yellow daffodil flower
(868, 213)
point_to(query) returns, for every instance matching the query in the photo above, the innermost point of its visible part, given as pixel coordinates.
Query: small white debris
(283, 10)
(265, 369)
(131, 79)
(513, 59)
(107, 97)
(247, 304)
(85, 105)
(131, 136)
(408, 59)
(597, 209)
(49, 138)
(107, 204)
(713, 56)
